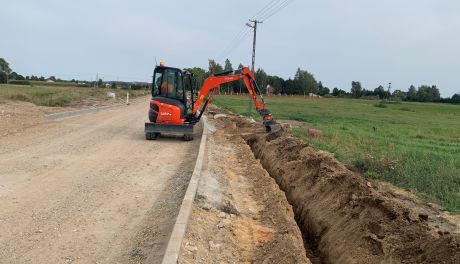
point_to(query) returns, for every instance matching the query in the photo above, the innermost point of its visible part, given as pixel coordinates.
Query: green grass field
(57, 95)
(412, 145)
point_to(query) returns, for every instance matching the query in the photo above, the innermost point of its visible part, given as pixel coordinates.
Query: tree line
(10, 76)
(424, 93)
(304, 83)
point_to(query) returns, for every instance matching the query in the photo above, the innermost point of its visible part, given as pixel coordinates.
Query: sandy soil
(88, 189)
(240, 214)
(342, 217)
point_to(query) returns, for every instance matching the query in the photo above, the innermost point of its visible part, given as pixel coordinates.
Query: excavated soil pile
(343, 217)
(240, 215)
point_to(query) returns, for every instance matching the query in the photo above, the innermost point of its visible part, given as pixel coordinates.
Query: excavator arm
(213, 83)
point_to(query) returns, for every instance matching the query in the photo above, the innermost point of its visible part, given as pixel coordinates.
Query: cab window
(171, 85)
(157, 82)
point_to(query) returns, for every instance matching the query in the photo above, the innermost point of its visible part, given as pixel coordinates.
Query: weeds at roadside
(55, 96)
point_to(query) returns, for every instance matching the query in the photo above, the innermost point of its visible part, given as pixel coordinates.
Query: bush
(19, 82)
(20, 97)
(381, 105)
(370, 97)
(392, 102)
(136, 86)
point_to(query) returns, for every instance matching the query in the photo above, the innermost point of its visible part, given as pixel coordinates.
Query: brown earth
(240, 214)
(16, 116)
(343, 217)
(87, 189)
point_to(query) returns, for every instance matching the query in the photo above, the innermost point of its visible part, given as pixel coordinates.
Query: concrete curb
(62, 115)
(171, 255)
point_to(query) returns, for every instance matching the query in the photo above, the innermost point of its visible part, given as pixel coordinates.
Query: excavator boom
(213, 83)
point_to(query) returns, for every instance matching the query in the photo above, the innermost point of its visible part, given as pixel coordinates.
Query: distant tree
(52, 78)
(73, 80)
(27, 77)
(276, 82)
(322, 90)
(100, 83)
(228, 65)
(13, 76)
(199, 75)
(342, 93)
(16, 76)
(411, 94)
(356, 89)
(399, 95)
(427, 93)
(113, 85)
(261, 79)
(5, 70)
(320, 85)
(134, 86)
(367, 93)
(304, 82)
(2, 77)
(214, 67)
(456, 98)
(335, 91)
(41, 78)
(380, 92)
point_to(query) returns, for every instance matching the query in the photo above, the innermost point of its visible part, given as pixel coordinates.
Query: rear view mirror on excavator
(175, 104)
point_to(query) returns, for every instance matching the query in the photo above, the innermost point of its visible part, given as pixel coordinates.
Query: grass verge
(412, 145)
(55, 96)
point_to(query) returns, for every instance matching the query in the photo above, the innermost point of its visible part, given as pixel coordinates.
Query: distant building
(270, 89)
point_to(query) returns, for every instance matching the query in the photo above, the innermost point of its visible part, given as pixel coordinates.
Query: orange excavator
(176, 106)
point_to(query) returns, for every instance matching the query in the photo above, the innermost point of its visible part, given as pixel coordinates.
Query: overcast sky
(376, 42)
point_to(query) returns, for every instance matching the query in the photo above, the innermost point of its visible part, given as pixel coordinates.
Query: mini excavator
(175, 104)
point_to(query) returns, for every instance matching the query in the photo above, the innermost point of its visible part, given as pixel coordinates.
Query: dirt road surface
(90, 189)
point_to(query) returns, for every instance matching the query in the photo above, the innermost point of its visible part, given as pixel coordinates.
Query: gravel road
(90, 189)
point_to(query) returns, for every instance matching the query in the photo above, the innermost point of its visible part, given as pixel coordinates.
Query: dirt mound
(343, 217)
(240, 215)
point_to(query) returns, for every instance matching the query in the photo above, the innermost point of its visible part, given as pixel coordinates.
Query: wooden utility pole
(389, 91)
(254, 27)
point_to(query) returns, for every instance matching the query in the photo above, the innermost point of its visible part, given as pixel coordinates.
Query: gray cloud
(375, 42)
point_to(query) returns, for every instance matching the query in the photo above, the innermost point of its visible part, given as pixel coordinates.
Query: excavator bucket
(271, 126)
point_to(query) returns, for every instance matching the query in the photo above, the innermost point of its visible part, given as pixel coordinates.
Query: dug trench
(343, 217)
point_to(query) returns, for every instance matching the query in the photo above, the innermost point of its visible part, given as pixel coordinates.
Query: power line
(265, 9)
(269, 10)
(235, 44)
(243, 33)
(279, 8)
(236, 37)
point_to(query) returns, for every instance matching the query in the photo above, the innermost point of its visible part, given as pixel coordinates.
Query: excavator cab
(171, 103)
